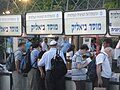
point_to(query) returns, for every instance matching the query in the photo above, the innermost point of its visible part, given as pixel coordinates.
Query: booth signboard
(91, 22)
(10, 25)
(114, 22)
(44, 23)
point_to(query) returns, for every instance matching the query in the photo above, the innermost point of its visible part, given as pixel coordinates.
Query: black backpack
(10, 63)
(92, 74)
(58, 67)
(25, 64)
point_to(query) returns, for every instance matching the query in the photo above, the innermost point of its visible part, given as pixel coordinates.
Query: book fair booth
(75, 25)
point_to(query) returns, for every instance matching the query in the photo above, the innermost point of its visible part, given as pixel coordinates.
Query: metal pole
(67, 6)
(8, 4)
(97, 44)
(78, 42)
(16, 5)
(88, 4)
(118, 3)
(5, 49)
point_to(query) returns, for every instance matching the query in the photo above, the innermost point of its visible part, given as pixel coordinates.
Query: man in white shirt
(44, 44)
(107, 42)
(103, 68)
(51, 83)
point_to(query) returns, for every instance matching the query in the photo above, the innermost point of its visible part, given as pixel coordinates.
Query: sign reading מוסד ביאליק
(44, 22)
(90, 22)
(10, 25)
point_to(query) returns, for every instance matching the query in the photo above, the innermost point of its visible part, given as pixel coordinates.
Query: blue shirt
(34, 56)
(28, 44)
(65, 46)
(78, 74)
(18, 54)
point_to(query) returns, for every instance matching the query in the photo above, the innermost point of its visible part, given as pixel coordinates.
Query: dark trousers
(105, 82)
(34, 80)
(41, 82)
(54, 84)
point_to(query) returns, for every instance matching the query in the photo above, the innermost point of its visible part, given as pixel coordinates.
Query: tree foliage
(20, 7)
(112, 4)
(3, 5)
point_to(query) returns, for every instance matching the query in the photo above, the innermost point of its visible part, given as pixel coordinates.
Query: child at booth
(86, 60)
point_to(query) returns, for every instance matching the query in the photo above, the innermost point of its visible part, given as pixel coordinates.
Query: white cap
(53, 42)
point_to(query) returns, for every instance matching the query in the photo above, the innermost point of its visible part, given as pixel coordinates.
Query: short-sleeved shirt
(103, 59)
(47, 57)
(78, 74)
(88, 60)
(34, 56)
(77, 58)
(44, 46)
(65, 46)
(18, 54)
(28, 44)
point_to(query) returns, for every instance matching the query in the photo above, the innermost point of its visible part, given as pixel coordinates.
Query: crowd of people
(40, 76)
(99, 67)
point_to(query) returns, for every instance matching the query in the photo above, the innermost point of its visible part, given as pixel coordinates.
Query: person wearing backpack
(91, 68)
(54, 81)
(103, 67)
(76, 61)
(33, 75)
(41, 80)
(107, 42)
(17, 75)
(86, 62)
(28, 44)
(79, 74)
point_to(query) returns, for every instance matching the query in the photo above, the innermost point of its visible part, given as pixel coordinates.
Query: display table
(75, 85)
(85, 85)
(70, 85)
(78, 85)
(114, 85)
(5, 80)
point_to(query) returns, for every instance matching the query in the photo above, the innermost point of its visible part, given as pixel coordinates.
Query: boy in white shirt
(103, 68)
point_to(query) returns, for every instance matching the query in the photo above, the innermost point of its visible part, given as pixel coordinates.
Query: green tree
(3, 6)
(112, 4)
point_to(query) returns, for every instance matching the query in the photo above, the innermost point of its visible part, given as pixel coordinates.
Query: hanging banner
(44, 23)
(92, 22)
(114, 22)
(10, 25)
